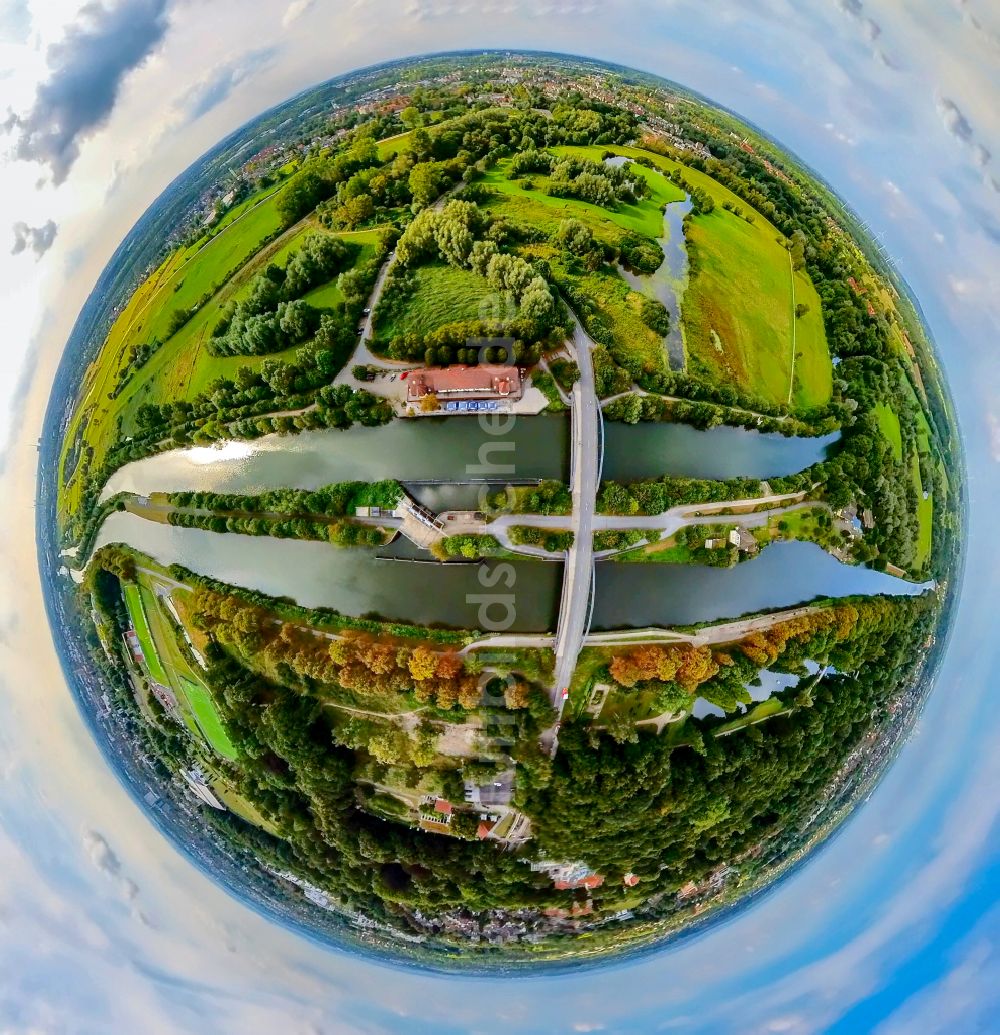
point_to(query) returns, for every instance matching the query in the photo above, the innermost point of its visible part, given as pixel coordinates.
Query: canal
(356, 581)
(783, 575)
(463, 449)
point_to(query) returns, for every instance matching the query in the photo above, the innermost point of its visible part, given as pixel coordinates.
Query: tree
(425, 183)
(516, 694)
(422, 663)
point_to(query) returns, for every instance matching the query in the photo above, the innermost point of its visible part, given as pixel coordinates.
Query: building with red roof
(486, 381)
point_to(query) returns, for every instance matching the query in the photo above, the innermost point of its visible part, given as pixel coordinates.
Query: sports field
(168, 663)
(137, 612)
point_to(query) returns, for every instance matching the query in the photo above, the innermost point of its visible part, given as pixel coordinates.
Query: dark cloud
(976, 23)
(210, 92)
(38, 238)
(104, 858)
(86, 68)
(960, 128)
(15, 21)
(870, 29)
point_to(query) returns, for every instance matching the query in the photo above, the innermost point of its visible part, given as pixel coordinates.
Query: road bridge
(576, 599)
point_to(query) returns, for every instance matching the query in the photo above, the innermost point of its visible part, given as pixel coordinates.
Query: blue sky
(894, 926)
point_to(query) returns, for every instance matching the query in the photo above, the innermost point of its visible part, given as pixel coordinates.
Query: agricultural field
(181, 367)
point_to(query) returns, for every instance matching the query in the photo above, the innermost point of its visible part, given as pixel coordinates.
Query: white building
(196, 780)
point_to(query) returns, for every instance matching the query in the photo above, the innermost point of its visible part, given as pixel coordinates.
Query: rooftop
(483, 381)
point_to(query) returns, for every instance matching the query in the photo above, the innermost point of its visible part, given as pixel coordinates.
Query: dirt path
(636, 390)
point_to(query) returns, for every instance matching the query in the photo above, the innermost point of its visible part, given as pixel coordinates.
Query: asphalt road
(578, 570)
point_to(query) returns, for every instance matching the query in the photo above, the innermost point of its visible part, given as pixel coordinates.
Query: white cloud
(62, 929)
(295, 10)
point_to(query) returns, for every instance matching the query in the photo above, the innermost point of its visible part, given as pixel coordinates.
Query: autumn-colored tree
(516, 694)
(449, 665)
(469, 695)
(423, 663)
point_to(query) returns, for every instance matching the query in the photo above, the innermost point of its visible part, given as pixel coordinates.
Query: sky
(894, 926)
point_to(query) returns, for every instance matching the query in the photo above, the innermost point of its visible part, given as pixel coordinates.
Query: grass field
(760, 712)
(182, 367)
(925, 516)
(888, 423)
(441, 294)
(617, 307)
(738, 309)
(393, 145)
(168, 664)
(644, 217)
(738, 314)
(242, 807)
(542, 210)
(925, 507)
(207, 717)
(744, 294)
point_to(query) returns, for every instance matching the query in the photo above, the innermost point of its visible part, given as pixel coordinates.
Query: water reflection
(458, 448)
(649, 450)
(455, 448)
(356, 581)
(353, 581)
(784, 575)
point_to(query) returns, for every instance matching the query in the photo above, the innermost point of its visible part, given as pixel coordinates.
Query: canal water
(355, 581)
(462, 448)
(783, 575)
(432, 448)
(358, 582)
(648, 450)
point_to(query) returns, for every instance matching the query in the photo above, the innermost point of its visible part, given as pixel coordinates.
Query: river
(668, 282)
